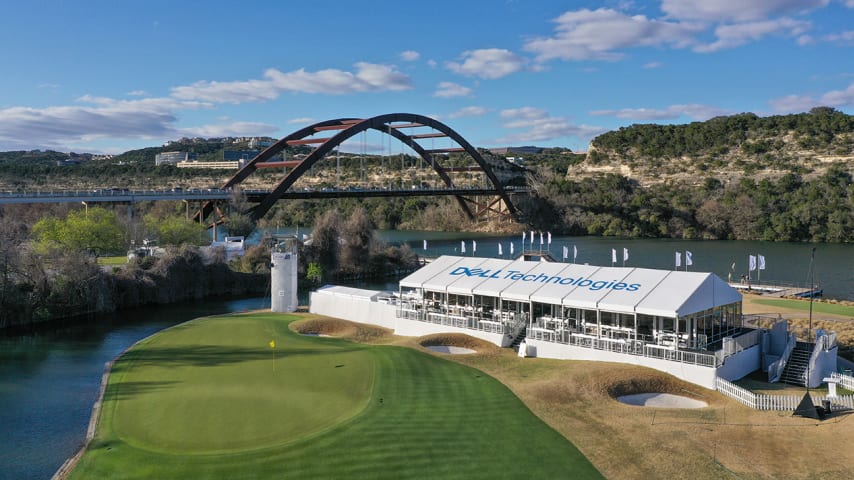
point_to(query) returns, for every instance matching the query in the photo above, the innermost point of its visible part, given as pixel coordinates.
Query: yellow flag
(272, 344)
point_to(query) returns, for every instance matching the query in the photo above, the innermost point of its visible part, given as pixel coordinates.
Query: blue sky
(108, 76)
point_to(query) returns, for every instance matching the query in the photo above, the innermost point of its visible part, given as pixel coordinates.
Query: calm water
(49, 381)
(785, 263)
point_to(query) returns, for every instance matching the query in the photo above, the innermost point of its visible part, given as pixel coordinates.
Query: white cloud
(730, 36)
(368, 77)
(409, 55)
(469, 112)
(540, 126)
(138, 93)
(736, 10)
(451, 89)
(653, 65)
(235, 129)
(302, 121)
(694, 111)
(803, 103)
(489, 63)
(844, 38)
(598, 34)
(61, 126)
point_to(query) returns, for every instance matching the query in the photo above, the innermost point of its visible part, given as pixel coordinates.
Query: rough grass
(424, 417)
(723, 440)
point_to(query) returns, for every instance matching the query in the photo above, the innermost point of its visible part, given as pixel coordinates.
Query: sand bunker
(450, 349)
(661, 400)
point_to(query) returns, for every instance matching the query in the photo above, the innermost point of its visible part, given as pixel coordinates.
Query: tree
(238, 222)
(175, 230)
(95, 230)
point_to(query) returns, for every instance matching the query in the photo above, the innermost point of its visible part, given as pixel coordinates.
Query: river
(785, 263)
(49, 381)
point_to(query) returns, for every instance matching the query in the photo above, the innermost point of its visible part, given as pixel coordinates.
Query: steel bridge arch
(350, 127)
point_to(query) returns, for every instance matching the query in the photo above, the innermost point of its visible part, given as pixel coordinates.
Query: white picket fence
(761, 401)
(846, 381)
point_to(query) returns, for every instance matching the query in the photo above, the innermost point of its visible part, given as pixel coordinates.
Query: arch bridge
(451, 168)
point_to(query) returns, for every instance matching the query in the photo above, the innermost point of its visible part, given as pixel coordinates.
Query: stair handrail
(823, 343)
(775, 370)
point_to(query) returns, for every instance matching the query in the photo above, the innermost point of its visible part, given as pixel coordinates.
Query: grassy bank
(207, 400)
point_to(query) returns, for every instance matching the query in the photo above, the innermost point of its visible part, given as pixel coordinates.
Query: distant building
(526, 150)
(260, 142)
(234, 155)
(224, 165)
(173, 158)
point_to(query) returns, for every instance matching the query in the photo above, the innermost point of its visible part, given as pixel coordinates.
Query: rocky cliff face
(694, 169)
(726, 148)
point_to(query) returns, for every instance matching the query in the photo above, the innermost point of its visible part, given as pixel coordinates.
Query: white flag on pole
(678, 259)
(425, 244)
(532, 239)
(625, 254)
(541, 239)
(499, 250)
(462, 246)
(565, 252)
(761, 262)
(523, 238)
(473, 246)
(550, 238)
(688, 259)
(613, 255)
(511, 248)
(751, 261)
(574, 253)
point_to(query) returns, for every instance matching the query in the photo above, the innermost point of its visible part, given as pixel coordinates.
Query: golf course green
(242, 396)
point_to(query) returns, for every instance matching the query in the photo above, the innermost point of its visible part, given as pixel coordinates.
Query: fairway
(207, 400)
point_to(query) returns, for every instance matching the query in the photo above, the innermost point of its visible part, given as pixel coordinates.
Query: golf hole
(661, 400)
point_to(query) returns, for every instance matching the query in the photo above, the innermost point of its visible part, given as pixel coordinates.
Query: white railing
(760, 401)
(775, 370)
(629, 347)
(846, 381)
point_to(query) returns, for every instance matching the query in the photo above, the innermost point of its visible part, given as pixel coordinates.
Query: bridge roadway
(118, 195)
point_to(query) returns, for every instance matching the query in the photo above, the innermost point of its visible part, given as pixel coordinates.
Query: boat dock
(772, 290)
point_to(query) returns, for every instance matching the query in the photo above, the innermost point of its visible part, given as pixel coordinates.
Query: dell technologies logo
(543, 278)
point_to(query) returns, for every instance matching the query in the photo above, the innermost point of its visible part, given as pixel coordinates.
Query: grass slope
(202, 401)
(804, 306)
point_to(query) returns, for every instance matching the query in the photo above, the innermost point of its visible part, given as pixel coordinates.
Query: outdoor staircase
(521, 336)
(796, 367)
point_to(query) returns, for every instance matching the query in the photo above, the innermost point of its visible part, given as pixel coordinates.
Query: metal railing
(775, 370)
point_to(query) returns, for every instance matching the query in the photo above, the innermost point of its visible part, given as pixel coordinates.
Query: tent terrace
(690, 317)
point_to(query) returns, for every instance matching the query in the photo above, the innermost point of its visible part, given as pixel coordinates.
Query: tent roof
(417, 278)
(464, 284)
(620, 289)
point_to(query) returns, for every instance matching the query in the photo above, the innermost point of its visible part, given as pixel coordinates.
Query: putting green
(216, 385)
(202, 401)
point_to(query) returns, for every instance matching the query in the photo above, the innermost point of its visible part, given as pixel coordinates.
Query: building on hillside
(217, 165)
(173, 158)
(526, 150)
(238, 155)
(688, 324)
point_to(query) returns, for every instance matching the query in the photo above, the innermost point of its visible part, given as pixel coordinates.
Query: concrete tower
(283, 273)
